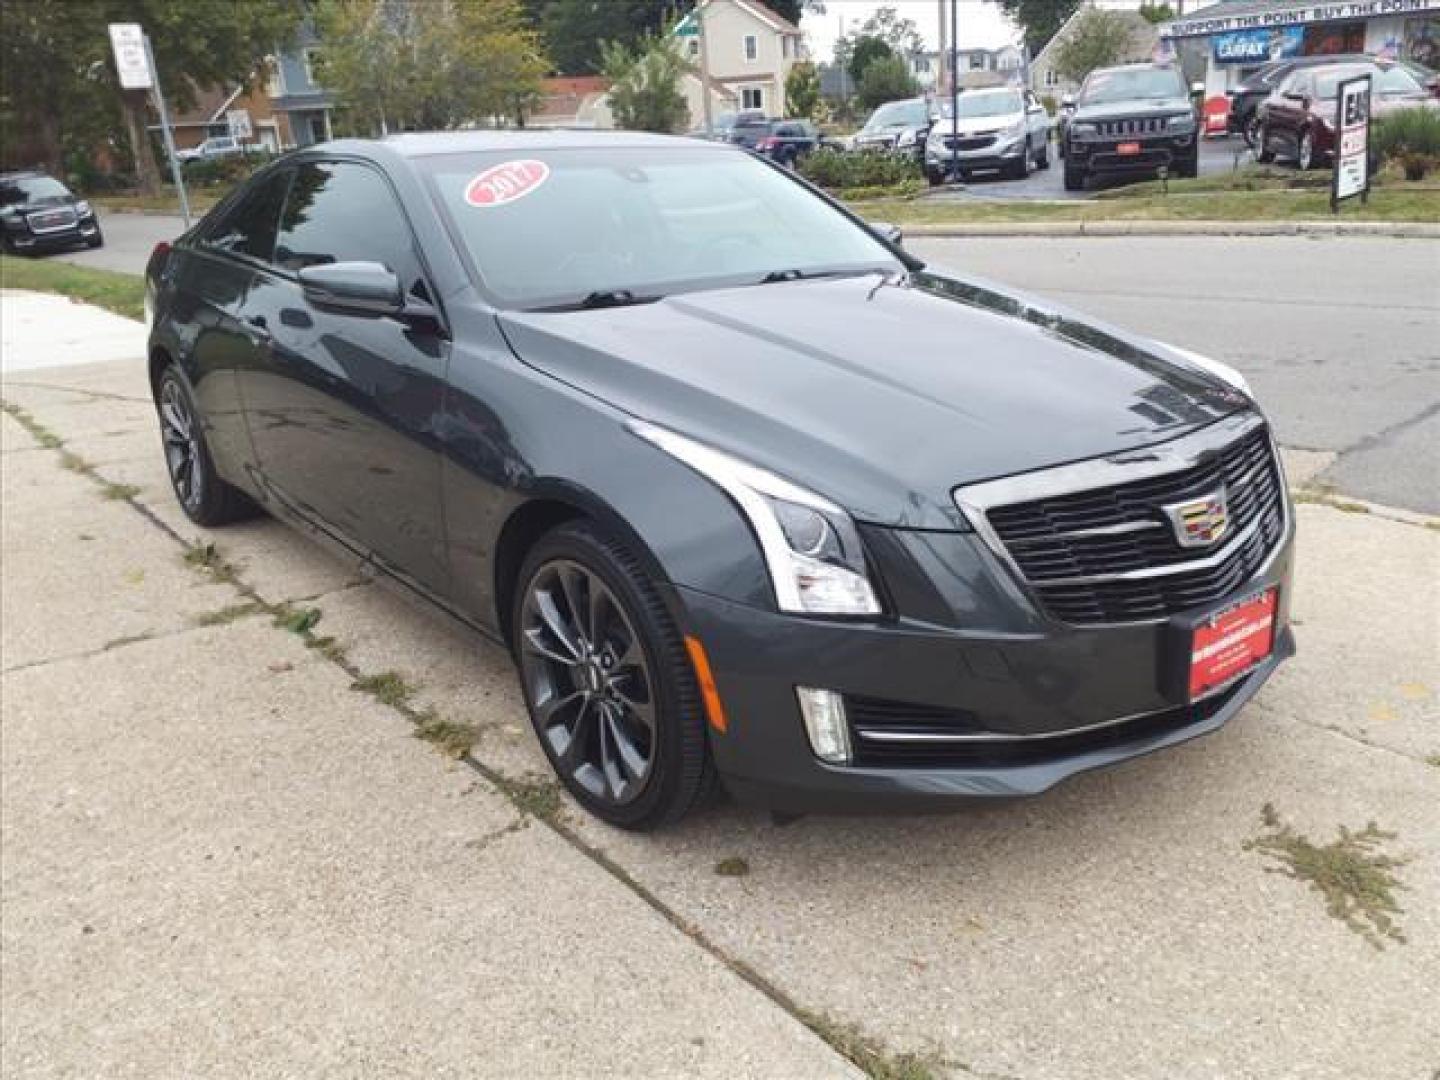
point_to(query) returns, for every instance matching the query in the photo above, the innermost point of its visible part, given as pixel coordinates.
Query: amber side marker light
(714, 711)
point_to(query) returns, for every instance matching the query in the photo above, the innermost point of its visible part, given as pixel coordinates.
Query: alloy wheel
(592, 692)
(182, 445)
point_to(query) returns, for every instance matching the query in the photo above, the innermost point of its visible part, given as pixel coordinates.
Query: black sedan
(39, 213)
(752, 495)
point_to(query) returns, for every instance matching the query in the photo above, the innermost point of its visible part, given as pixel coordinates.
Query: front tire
(1263, 153)
(607, 681)
(1021, 169)
(1305, 152)
(206, 498)
(96, 241)
(1074, 179)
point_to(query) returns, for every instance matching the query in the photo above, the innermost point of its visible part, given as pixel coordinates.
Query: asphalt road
(1216, 156)
(1339, 337)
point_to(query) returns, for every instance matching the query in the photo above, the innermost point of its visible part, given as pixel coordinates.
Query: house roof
(566, 95)
(1137, 22)
(778, 23)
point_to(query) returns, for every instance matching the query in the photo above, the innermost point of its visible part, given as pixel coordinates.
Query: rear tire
(607, 681)
(1021, 169)
(206, 498)
(1042, 161)
(1074, 179)
(1188, 168)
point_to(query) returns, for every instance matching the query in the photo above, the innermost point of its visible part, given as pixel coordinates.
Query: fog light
(824, 713)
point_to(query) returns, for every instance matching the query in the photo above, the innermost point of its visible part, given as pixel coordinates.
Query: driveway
(224, 855)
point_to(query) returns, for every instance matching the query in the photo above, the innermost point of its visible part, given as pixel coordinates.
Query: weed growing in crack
(327, 647)
(297, 620)
(451, 737)
(734, 866)
(870, 1054)
(538, 796)
(117, 492)
(1357, 879)
(388, 688)
(226, 615)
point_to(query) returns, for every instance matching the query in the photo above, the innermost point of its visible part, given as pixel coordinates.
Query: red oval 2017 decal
(506, 182)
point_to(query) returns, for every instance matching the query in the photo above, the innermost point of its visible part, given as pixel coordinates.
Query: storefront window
(1327, 39)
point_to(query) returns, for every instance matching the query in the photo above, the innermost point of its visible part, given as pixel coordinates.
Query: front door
(342, 408)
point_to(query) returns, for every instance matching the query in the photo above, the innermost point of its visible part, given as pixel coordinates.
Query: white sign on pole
(131, 62)
(239, 121)
(1352, 135)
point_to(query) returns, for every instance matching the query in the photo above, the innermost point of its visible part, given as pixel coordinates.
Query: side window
(248, 227)
(344, 212)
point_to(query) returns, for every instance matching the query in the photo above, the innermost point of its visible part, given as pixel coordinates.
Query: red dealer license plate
(1231, 642)
(1128, 148)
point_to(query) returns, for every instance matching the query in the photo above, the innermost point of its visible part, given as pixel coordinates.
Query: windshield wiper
(601, 298)
(775, 276)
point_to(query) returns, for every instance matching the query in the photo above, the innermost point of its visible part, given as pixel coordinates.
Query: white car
(1003, 128)
(213, 147)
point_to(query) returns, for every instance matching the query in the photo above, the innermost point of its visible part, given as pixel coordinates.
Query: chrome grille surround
(1127, 567)
(43, 221)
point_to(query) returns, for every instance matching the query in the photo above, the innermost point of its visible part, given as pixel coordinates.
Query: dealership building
(1222, 43)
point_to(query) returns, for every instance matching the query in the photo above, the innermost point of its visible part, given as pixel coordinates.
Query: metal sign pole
(169, 136)
(954, 93)
(699, 16)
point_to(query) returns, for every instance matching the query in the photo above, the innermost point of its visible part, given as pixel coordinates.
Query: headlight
(811, 547)
(1221, 371)
(82, 208)
(1082, 129)
(1017, 128)
(907, 138)
(1181, 122)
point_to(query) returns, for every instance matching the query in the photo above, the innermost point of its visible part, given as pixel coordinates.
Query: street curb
(1409, 230)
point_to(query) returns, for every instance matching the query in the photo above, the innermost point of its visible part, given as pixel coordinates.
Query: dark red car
(1297, 120)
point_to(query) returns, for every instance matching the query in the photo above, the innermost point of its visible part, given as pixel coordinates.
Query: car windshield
(898, 113)
(984, 103)
(551, 227)
(1128, 84)
(1385, 82)
(19, 189)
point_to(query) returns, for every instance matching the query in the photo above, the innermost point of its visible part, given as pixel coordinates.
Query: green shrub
(1410, 137)
(1051, 105)
(838, 170)
(224, 170)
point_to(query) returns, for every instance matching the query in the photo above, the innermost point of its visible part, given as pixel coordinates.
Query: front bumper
(83, 231)
(995, 155)
(1156, 152)
(1038, 700)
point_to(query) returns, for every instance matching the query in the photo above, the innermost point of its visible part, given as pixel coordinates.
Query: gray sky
(982, 24)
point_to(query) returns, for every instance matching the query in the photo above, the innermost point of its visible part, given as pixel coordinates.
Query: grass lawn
(167, 202)
(123, 294)
(1249, 195)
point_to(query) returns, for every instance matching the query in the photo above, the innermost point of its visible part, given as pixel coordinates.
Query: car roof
(426, 143)
(1134, 67)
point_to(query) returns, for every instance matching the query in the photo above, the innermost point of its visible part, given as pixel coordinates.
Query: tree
(645, 84)
(396, 66)
(1156, 12)
(887, 79)
(1098, 38)
(863, 52)
(901, 35)
(573, 29)
(56, 56)
(1039, 19)
(793, 9)
(802, 90)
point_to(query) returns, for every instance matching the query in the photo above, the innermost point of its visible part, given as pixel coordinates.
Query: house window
(694, 46)
(314, 64)
(785, 47)
(752, 47)
(921, 65)
(752, 97)
(1051, 79)
(274, 77)
(977, 61)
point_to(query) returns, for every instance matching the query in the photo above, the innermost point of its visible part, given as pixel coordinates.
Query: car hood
(968, 125)
(882, 395)
(1140, 107)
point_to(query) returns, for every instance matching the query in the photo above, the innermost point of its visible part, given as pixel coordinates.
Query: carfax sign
(1352, 141)
(1257, 46)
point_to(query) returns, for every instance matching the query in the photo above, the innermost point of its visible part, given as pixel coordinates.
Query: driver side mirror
(362, 287)
(887, 231)
(1197, 89)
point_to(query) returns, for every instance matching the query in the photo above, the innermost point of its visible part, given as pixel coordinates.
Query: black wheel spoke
(628, 754)
(578, 737)
(574, 588)
(556, 625)
(534, 644)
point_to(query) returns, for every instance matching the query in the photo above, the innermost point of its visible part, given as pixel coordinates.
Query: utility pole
(699, 15)
(954, 92)
(944, 51)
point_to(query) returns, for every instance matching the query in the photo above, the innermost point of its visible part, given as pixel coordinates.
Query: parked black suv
(40, 213)
(1133, 119)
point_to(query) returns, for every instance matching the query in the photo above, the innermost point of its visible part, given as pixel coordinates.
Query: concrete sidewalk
(219, 858)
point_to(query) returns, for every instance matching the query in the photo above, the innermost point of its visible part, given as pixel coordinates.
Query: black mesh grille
(1041, 537)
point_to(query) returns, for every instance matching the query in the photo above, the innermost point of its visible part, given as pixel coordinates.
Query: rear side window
(339, 211)
(248, 227)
